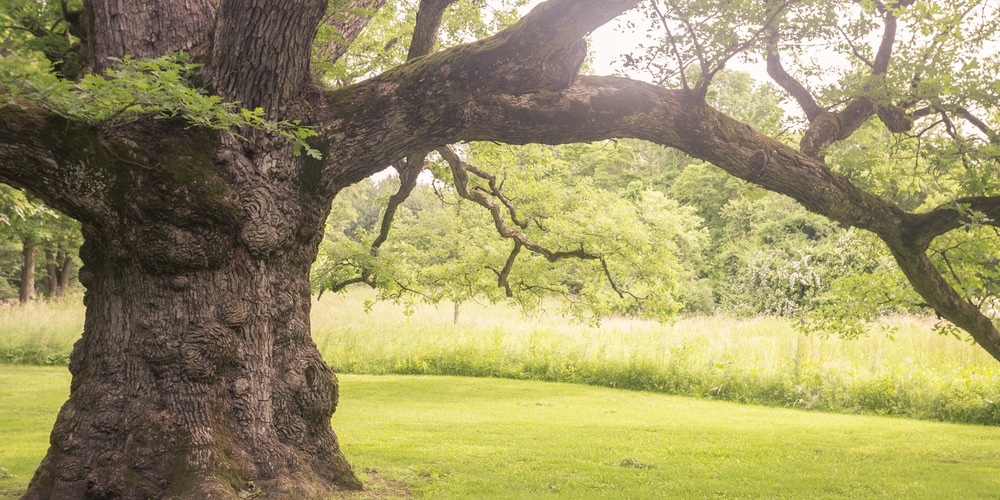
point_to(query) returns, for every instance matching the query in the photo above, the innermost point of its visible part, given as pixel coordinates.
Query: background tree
(196, 375)
(633, 251)
(31, 230)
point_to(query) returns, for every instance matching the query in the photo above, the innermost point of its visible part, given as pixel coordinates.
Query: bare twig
(681, 65)
(460, 173)
(857, 53)
(409, 170)
(497, 193)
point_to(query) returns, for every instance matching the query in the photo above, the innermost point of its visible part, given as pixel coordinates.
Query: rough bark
(145, 29)
(196, 375)
(260, 55)
(29, 249)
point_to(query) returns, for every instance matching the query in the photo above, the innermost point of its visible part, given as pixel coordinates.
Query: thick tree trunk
(196, 376)
(64, 270)
(196, 385)
(29, 250)
(52, 273)
(58, 266)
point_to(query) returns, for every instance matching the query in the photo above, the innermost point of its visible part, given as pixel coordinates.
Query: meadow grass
(30, 397)
(40, 333)
(449, 437)
(918, 373)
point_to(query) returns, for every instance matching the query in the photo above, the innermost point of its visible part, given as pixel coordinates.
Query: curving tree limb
(625, 108)
(350, 22)
(56, 160)
(460, 174)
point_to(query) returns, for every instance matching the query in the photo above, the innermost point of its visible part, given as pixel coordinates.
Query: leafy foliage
(385, 41)
(134, 89)
(444, 247)
(25, 221)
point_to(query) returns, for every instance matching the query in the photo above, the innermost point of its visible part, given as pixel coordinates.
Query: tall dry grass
(40, 333)
(916, 373)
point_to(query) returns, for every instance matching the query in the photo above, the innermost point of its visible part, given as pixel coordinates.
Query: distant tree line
(38, 249)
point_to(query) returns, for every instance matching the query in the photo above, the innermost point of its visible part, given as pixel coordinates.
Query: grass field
(449, 437)
(917, 374)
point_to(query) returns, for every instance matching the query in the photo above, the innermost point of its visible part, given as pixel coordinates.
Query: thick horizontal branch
(596, 108)
(58, 161)
(511, 89)
(952, 216)
(418, 103)
(605, 107)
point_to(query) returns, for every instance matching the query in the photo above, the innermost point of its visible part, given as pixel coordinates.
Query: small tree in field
(196, 376)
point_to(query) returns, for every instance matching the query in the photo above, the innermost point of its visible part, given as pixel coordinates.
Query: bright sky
(612, 40)
(606, 44)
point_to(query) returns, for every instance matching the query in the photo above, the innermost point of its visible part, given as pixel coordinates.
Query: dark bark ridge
(145, 29)
(196, 375)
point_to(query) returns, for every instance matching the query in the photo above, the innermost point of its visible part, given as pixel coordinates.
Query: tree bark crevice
(261, 51)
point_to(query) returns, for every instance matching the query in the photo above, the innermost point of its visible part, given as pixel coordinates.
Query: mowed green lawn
(450, 437)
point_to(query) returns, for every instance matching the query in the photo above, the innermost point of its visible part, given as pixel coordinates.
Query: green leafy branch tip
(135, 89)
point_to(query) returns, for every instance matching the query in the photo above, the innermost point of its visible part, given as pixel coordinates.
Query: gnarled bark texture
(196, 376)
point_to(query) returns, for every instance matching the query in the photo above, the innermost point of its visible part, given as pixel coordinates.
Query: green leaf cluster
(385, 42)
(443, 247)
(135, 89)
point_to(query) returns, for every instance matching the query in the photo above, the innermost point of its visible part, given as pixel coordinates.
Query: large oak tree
(196, 376)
